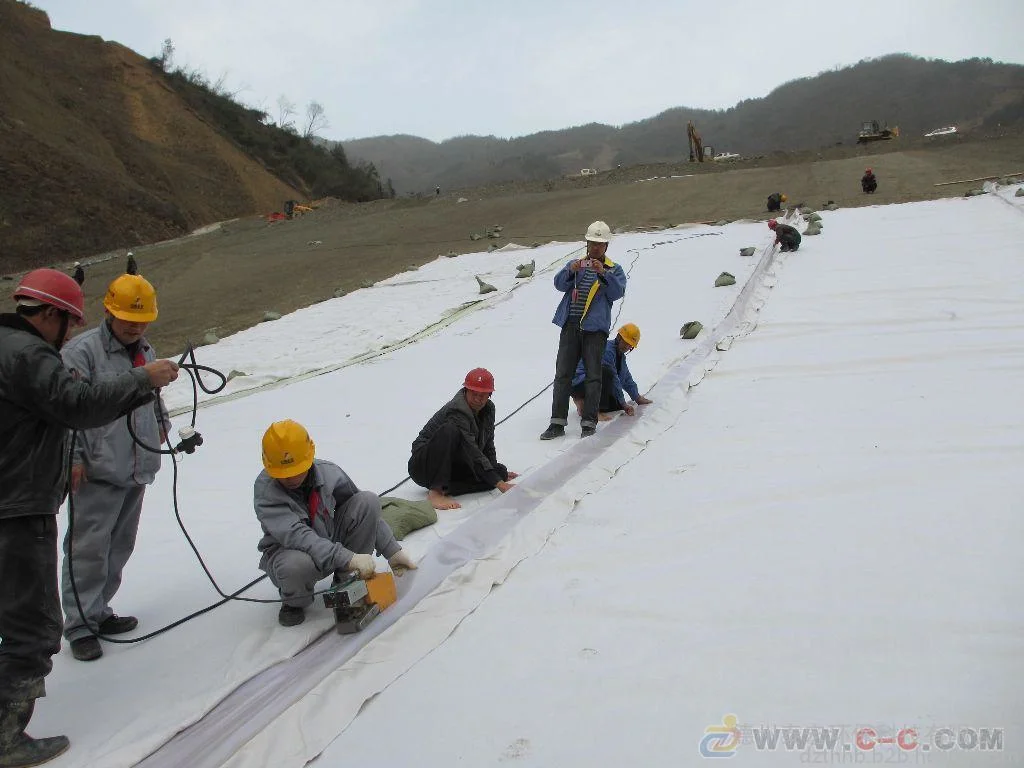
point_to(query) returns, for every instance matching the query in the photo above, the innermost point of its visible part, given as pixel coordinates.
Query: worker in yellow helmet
(109, 470)
(316, 523)
(615, 376)
(775, 201)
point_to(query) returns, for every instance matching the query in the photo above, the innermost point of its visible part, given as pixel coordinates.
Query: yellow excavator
(871, 131)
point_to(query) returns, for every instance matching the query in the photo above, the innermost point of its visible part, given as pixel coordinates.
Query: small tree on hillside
(316, 120)
(285, 112)
(166, 57)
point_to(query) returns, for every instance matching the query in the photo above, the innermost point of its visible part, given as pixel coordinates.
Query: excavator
(696, 145)
(871, 131)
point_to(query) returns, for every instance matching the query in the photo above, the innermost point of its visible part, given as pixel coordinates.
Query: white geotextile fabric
(288, 714)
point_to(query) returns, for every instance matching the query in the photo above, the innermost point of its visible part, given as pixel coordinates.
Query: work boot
(290, 615)
(86, 648)
(17, 748)
(587, 431)
(118, 625)
(553, 431)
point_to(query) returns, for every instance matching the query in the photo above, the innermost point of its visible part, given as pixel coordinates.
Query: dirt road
(226, 279)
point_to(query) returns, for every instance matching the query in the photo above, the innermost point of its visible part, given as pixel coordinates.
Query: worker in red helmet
(454, 452)
(786, 237)
(40, 401)
(868, 182)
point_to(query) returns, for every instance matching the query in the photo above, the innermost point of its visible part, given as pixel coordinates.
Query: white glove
(400, 561)
(364, 565)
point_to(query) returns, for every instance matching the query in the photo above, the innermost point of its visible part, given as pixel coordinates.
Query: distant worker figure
(615, 376)
(79, 273)
(315, 521)
(868, 182)
(775, 201)
(437, 190)
(454, 452)
(589, 286)
(785, 236)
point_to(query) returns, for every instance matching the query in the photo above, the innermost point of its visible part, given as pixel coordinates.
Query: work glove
(400, 561)
(364, 565)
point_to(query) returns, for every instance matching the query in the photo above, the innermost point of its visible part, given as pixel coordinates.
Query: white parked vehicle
(950, 129)
(726, 156)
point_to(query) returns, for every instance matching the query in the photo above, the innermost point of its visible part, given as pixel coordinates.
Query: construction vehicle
(871, 131)
(696, 145)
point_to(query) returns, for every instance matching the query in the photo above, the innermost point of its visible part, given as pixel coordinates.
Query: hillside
(916, 94)
(100, 149)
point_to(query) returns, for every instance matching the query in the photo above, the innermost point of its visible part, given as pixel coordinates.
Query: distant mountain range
(916, 94)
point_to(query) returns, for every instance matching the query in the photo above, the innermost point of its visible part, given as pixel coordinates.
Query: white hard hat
(598, 232)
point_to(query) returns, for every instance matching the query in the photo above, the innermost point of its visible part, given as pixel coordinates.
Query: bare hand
(577, 265)
(630, 410)
(78, 477)
(643, 401)
(512, 475)
(597, 265)
(161, 372)
(505, 487)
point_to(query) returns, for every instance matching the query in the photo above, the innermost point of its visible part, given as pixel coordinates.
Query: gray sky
(443, 68)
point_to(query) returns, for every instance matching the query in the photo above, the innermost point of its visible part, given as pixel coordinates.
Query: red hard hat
(49, 286)
(772, 223)
(479, 380)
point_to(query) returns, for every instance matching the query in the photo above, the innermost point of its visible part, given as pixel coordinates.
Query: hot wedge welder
(357, 602)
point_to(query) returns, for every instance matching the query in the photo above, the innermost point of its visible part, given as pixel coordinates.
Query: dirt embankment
(226, 279)
(97, 152)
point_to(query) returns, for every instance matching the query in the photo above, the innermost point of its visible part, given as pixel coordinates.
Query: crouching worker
(775, 201)
(316, 523)
(786, 237)
(454, 452)
(615, 376)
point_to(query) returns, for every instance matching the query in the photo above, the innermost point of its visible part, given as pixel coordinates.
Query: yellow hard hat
(783, 198)
(287, 449)
(630, 334)
(131, 298)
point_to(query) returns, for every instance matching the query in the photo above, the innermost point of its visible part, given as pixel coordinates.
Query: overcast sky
(444, 68)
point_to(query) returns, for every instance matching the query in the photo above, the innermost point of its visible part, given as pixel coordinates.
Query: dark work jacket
(40, 400)
(476, 429)
(787, 235)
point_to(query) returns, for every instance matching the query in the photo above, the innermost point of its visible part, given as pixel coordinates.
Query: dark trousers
(442, 464)
(789, 242)
(607, 403)
(30, 617)
(574, 344)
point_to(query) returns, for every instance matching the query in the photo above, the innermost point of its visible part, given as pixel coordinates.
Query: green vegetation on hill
(918, 95)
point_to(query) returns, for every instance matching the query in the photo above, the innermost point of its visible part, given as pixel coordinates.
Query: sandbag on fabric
(485, 287)
(749, 251)
(405, 516)
(725, 279)
(526, 270)
(691, 329)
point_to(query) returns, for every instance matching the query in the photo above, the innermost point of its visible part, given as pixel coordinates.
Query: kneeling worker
(615, 376)
(315, 521)
(454, 452)
(785, 236)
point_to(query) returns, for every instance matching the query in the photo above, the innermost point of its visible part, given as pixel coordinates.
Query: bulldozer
(871, 131)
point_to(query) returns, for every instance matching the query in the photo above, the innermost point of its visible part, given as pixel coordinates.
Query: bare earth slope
(96, 152)
(226, 279)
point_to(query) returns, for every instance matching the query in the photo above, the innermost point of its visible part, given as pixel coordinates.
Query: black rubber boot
(17, 748)
(86, 648)
(290, 616)
(553, 431)
(118, 625)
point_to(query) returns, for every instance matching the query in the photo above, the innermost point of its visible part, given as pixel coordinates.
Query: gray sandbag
(485, 287)
(812, 229)
(526, 270)
(721, 222)
(475, 236)
(405, 516)
(339, 293)
(749, 251)
(812, 216)
(268, 316)
(691, 329)
(975, 192)
(725, 279)
(210, 338)
(235, 374)
(1019, 192)
(831, 207)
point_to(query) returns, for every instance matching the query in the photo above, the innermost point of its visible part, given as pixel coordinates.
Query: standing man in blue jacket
(615, 376)
(589, 287)
(109, 471)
